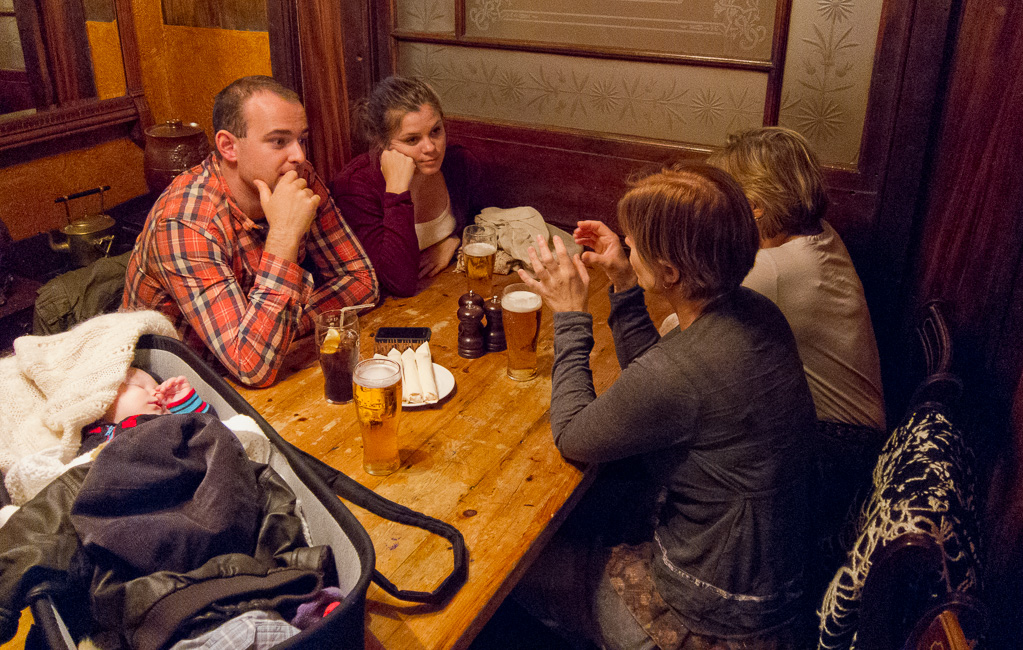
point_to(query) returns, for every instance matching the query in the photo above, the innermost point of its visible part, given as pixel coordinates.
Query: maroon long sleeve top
(385, 223)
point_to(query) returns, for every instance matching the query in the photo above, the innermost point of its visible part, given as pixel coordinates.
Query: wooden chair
(942, 632)
(915, 555)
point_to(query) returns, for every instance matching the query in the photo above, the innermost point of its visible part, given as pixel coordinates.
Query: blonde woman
(805, 269)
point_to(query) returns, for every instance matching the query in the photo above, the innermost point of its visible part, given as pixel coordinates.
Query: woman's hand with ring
(562, 281)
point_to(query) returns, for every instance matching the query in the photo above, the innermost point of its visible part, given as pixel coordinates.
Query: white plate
(445, 384)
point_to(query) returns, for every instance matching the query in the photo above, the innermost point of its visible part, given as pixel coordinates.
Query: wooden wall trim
(74, 118)
(59, 127)
(779, 47)
(618, 54)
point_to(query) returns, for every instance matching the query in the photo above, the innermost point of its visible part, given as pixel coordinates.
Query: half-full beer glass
(479, 246)
(520, 311)
(377, 387)
(337, 336)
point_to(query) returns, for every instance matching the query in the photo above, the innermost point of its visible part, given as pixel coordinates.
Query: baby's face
(136, 396)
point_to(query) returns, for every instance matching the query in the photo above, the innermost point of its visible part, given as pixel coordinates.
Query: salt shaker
(494, 339)
(470, 326)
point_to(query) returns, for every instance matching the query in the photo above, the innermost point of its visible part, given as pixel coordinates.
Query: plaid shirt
(200, 261)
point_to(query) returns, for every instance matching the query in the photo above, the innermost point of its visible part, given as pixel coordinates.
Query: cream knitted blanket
(54, 385)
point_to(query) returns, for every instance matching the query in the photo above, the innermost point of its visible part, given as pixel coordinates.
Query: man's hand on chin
(289, 209)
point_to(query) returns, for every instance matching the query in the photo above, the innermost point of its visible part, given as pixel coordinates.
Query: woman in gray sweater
(718, 411)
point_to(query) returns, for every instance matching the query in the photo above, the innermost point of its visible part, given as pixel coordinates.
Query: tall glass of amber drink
(337, 336)
(520, 312)
(479, 247)
(377, 387)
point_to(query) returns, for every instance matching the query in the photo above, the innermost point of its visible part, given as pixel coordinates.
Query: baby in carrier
(141, 395)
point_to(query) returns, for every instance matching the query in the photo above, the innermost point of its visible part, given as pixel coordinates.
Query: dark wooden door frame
(76, 123)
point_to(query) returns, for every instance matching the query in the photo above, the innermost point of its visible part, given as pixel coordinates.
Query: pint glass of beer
(520, 311)
(479, 246)
(377, 387)
(337, 337)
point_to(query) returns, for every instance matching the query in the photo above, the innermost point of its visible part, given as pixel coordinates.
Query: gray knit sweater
(721, 414)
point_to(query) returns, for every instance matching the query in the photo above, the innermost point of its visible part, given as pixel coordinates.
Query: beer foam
(376, 375)
(521, 301)
(480, 249)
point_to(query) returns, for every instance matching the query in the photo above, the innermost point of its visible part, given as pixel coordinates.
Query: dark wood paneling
(572, 176)
(323, 84)
(245, 15)
(285, 49)
(970, 256)
(79, 123)
(99, 10)
(973, 236)
(904, 106)
(15, 91)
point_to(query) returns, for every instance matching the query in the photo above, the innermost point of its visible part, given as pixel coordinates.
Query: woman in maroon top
(410, 196)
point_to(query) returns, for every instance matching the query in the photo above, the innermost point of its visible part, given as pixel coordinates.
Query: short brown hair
(229, 104)
(381, 113)
(781, 175)
(696, 218)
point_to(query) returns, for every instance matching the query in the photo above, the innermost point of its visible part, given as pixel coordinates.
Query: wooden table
(482, 460)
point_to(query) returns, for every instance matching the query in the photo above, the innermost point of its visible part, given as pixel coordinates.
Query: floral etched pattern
(827, 75)
(485, 13)
(662, 101)
(430, 16)
(742, 22)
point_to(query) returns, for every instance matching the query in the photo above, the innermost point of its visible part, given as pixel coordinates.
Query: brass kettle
(87, 238)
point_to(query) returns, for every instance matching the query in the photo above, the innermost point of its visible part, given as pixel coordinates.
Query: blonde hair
(696, 218)
(781, 175)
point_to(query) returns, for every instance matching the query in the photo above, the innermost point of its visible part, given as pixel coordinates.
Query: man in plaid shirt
(222, 251)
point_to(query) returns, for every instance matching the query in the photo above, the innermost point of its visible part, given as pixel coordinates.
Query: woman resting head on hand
(410, 196)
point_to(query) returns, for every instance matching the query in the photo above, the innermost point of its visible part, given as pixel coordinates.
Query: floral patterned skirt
(628, 571)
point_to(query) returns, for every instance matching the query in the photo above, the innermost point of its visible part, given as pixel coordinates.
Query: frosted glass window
(688, 104)
(739, 29)
(824, 91)
(827, 74)
(11, 56)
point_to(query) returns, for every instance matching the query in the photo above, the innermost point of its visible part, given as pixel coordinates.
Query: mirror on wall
(67, 67)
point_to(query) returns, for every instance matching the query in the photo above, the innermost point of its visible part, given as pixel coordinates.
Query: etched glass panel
(827, 74)
(430, 16)
(688, 104)
(11, 56)
(740, 29)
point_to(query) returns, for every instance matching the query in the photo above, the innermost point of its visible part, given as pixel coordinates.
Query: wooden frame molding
(123, 115)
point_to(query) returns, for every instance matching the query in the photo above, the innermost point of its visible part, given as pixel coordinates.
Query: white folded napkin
(411, 387)
(424, 362)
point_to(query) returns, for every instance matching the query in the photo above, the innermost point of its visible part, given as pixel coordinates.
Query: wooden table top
(482, 460)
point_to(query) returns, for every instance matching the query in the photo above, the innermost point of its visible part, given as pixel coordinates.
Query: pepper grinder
(470, 326)
(495, 341)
